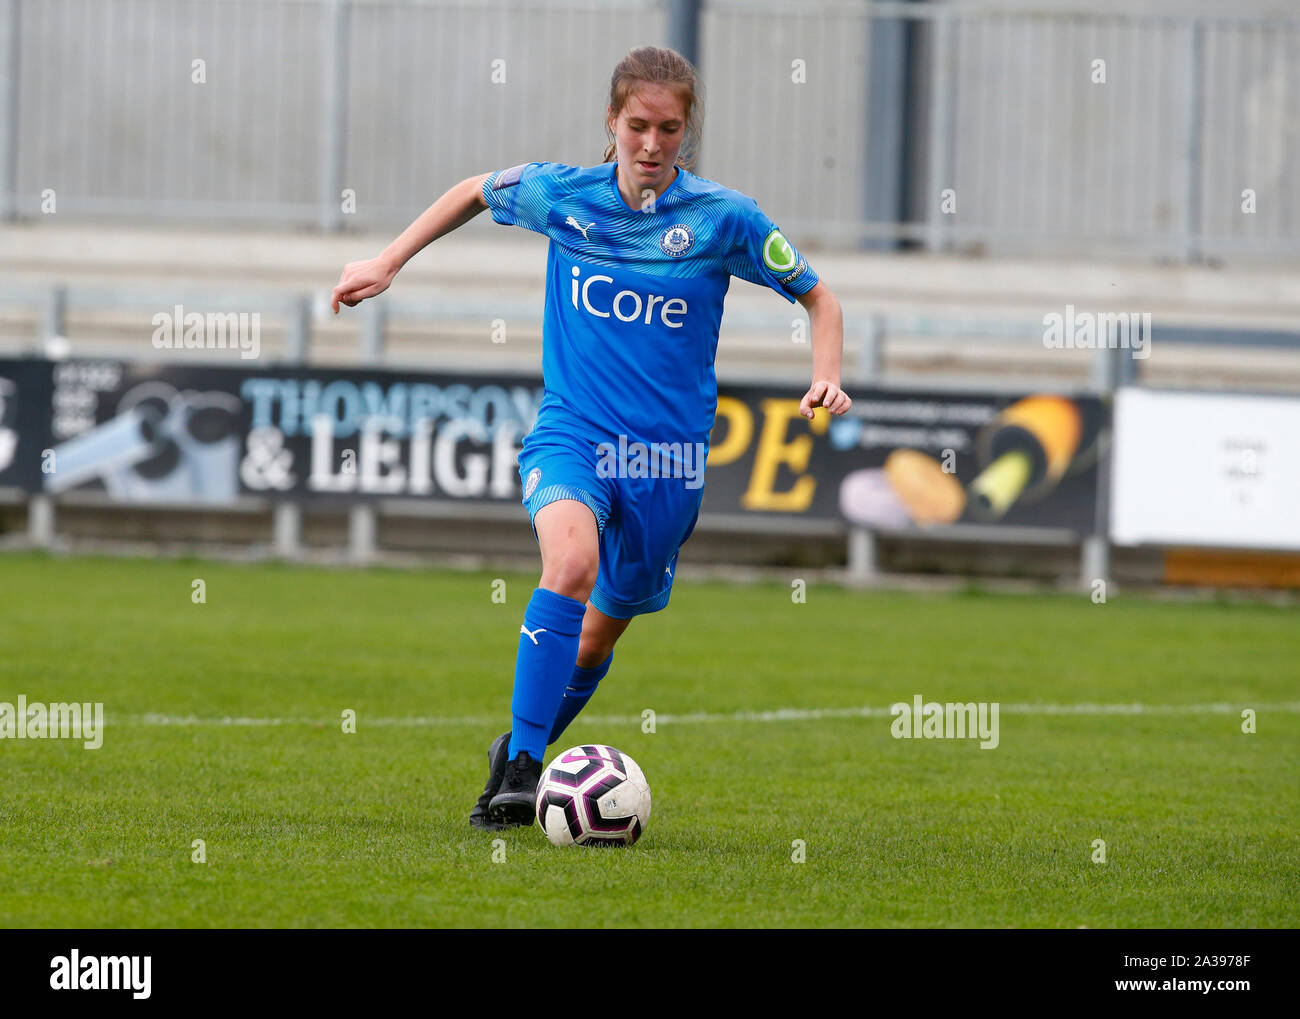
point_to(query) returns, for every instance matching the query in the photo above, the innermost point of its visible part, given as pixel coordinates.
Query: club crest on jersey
(677, 240)
(534, 476)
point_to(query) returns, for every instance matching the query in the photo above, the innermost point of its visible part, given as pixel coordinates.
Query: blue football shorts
(642, 522)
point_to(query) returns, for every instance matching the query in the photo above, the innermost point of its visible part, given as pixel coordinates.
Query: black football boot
(478, 817)
(516, 800)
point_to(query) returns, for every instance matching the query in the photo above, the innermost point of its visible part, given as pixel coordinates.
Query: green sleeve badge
(777, 253)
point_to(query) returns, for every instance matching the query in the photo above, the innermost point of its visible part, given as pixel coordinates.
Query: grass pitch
(304, 825)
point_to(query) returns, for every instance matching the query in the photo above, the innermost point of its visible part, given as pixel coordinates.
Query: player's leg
(563, 495)
(595, 654)
(599, 635)
(568, 533)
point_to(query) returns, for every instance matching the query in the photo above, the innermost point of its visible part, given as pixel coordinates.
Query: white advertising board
(1205, 469)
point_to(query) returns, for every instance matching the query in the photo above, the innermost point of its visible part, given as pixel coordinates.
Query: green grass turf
(307, 826)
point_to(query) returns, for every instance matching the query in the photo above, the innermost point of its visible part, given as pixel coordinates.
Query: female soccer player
(642, 252)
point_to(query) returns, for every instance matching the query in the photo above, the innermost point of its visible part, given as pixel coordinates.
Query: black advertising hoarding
(146, 432)
(24, 421)
(903, 459)
(162, 433)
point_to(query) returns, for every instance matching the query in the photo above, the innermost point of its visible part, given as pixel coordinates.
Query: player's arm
(367, 279)
(828, 346)
(761, 254)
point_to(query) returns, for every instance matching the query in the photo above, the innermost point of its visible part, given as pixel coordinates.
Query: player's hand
(361, 280)
(824, 394)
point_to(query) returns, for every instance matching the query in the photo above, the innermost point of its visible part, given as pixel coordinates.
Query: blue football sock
(576, 695)
(548, 651)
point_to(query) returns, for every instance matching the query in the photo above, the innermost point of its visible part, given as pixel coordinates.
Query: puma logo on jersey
(579, 227)
(533, 635)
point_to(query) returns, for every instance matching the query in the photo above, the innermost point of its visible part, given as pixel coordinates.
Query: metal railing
(985, 127)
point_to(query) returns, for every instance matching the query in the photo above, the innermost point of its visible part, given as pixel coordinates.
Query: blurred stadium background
(961, 175)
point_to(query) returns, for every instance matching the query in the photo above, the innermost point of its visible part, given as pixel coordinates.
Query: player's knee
(593, 650)
(573, 574)
(599, 635)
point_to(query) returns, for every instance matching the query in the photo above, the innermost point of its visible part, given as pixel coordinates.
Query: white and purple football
(593, 796)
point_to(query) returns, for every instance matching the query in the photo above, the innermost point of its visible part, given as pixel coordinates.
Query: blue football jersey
(634, 297)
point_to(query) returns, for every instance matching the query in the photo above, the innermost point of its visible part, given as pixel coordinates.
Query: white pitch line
(698, 717)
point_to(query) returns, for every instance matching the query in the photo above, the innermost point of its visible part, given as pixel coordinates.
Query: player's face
(648, 135)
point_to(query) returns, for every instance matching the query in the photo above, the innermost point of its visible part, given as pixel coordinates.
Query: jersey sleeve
(520, 196)
(762, 254)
